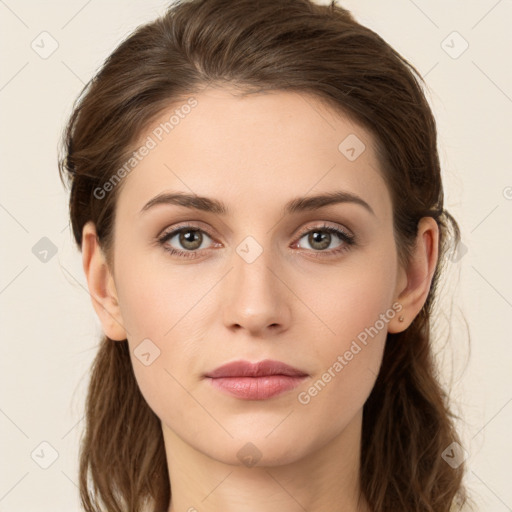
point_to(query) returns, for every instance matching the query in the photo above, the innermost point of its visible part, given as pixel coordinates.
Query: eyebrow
(298, 204)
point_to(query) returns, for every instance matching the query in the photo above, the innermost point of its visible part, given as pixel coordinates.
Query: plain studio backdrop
(49, 332)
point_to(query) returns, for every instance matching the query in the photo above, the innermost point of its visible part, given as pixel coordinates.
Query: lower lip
(256, 388)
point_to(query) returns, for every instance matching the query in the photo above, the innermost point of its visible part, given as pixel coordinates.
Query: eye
(188, 237)
(320, 238)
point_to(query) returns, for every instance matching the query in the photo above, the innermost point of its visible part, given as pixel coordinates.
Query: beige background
(48, 327)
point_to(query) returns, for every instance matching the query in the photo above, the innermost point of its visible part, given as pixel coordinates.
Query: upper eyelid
(325, 225)
(176, 229)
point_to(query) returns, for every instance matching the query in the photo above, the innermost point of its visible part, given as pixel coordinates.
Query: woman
(256, 191)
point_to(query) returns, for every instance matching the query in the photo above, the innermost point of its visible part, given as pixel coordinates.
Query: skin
(255, 153)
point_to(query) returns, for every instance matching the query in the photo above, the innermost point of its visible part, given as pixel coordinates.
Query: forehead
(252, 151)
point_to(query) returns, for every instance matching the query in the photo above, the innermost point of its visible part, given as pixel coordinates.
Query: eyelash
(349, 240)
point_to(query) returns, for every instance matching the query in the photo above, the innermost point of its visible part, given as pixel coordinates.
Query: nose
(256, 297)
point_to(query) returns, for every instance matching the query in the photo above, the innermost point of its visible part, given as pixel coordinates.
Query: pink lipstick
(255, 381)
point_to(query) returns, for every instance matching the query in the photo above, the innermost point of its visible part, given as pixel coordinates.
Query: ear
(101, 285)
(413, 282)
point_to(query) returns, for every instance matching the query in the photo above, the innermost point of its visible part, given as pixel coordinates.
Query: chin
(259, 451)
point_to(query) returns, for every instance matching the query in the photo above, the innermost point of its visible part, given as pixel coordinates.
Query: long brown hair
(292, 45)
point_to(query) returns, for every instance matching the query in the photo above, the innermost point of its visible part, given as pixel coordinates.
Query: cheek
(152, 298)
(161, 311)
(349, 303)
(353, 311)
(348, 360)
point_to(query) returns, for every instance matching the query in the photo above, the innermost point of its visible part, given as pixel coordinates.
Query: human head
(369, 85)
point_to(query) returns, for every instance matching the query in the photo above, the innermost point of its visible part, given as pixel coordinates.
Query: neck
(325, 480)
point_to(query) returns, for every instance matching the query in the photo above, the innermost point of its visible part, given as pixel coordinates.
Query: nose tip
(256, 296)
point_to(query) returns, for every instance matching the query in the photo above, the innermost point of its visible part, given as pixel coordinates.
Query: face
(310, 287)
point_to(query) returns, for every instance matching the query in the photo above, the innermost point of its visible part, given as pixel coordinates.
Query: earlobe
(101, 285)
(413, 284)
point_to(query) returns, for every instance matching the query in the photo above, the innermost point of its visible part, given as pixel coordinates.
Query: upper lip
(259, 369)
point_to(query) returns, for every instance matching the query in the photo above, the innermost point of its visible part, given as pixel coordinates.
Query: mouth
(255, 381)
